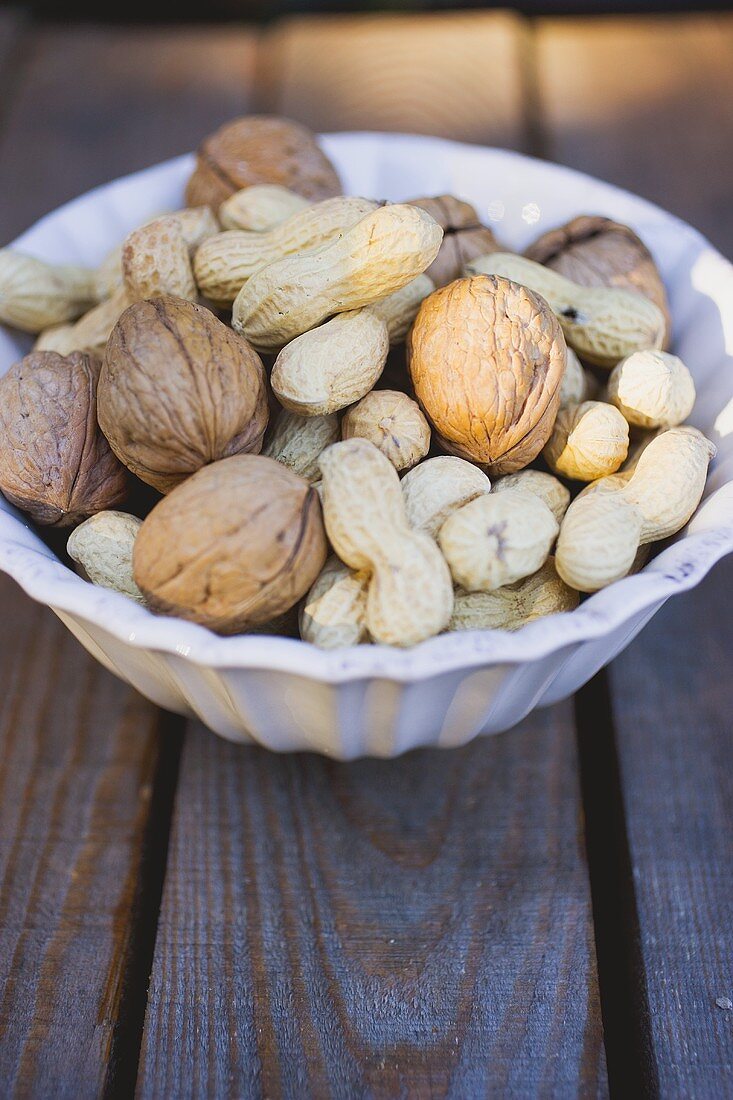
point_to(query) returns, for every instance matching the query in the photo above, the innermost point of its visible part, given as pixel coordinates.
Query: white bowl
(373, 700)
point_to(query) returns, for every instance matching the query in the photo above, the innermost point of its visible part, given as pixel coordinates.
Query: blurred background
(638, 93)
(152, 10)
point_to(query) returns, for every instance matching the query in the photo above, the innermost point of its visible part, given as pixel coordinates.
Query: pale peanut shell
(333, 613)
(434, 489)
(497, 539)
(379, 255)
(102, 548)
(588, 441)
(392, 421)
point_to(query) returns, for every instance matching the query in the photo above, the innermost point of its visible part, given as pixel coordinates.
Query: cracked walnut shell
(487, 357)
(596, 251)
(55, 463)
(234, 546)
(260, 149)
(178, 390)
(464, 237)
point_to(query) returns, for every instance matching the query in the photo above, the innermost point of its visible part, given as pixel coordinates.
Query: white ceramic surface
(373, 700)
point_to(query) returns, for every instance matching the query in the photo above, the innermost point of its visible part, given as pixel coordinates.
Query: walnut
(260, 149)
(464, 237)
(596, 251)
(55, 463)
(178, 390)
(236, 545)
(486, 358)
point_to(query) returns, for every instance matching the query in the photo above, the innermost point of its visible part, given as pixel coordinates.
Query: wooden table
(544, 913)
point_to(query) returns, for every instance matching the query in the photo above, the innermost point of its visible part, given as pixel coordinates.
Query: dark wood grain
(418, 928)
(672, 690)
(82, 840)
(78, 752)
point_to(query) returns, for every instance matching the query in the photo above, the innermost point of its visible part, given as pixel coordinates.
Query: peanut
(652, 389)
(379, 255)
(334, 365)
(196, 224)
(602, 324)
(588, 441)
(333, 613)
(514, 605)
(156, 262)
(497, 539)
(435, 489)
(102, 548)
(35, 295)
(603, 529)
(297, 441)
(260, 207)
(393, 422)
(410, 595)
(225, 262)
(91, 332)
(545, 486)
(577, 384)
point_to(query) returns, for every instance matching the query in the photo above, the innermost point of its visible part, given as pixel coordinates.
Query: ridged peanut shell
(588, 441)
(514, 605)
(331, 366)
(545, 486)
(178, 390)
(652, 389)
(434, 489)
(226, 261)
(55, 463)
(102, 548)
(377, 256)
(260, 149)
(596, 251)
(410, 595)
(602, 324)
(497, 539)
(464, 237)
(393, 422)
(156, 261)
(237, 544)
(260, 207)
(297, 441)
(486, 357)
(333, 613)
(578, 384)
(35, 295)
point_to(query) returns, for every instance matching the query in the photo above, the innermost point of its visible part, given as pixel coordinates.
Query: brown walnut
(596, 251)
(464, 237)
(236, 545)
(260, 149)
(486, 357)
(55, 463)
(178, 390)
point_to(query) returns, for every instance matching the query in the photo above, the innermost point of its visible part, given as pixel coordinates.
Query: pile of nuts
(227, 354)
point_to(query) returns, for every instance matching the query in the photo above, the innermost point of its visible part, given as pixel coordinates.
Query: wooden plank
(673, 708)
(78, 752)
(454, 75)
(647, 103)
(86, 778)
(418, 927)
(99, 102)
